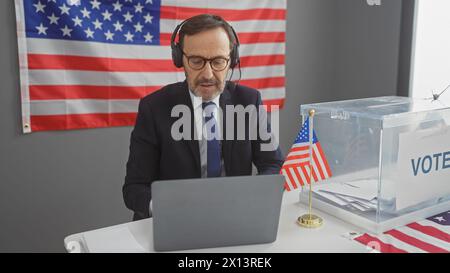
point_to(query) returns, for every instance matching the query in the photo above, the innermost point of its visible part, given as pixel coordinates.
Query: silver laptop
(215, 212)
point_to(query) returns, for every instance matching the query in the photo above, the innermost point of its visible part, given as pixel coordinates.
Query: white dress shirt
(201, 130)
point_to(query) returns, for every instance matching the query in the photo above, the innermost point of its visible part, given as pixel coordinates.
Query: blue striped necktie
(213, 144)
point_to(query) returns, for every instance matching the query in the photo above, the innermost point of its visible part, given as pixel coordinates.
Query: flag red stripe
(322, 155)
(299, 149)
(269, 103)
(244, 37)
(415, 242)
(366, 239)
(182, 13)
(297, 157)
(264, 83)
(263, 60)
(431, 231)
(294, 183)
(298, 176)
(314, 175)
(305, 173)
(52, 92)
(319, 167)
(291, 179)
(295, 165)
(79, 121)
(47, 61)
(261, 37)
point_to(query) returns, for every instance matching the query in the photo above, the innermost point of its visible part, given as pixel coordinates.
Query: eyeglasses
(197, 62)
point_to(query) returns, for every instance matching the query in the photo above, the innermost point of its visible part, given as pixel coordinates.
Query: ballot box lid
(383, 112)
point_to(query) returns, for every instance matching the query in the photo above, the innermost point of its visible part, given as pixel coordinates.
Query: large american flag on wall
(86, 63)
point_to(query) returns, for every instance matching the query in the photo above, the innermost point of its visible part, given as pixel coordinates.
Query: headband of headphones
(177, 52)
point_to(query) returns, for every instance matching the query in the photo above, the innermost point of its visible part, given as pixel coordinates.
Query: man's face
(209, 44)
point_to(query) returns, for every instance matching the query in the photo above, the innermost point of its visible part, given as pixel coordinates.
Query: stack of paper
(357, 195)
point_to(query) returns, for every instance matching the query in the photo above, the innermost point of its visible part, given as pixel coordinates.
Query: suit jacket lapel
(182, 97)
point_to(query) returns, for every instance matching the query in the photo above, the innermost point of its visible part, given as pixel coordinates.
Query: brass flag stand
(310, 220)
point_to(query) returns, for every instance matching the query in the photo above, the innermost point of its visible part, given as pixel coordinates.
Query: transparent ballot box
(389, 159)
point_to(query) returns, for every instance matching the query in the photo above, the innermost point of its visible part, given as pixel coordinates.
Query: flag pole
(310, 220)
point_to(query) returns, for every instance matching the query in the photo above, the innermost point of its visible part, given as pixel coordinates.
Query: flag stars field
(148, 18)
(71, 2)
(86, 13)
(53, 19)
(40, 7)
(95, 4)
(97, 24)
(129, 36)
(138, 8)
(77, 21)
(89, 19)
(148, 37)
(117, 6)
(109, 35)
(89, 33)
(138, 27)
(66, 31)
(118, 26)
(106, 15)
(41, 29)
(64, 9)
(128, 17)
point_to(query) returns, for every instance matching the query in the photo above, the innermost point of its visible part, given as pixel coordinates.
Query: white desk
(331, 237)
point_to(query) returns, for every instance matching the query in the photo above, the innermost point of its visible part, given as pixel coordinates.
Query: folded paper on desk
(118, 239)
(360, 195)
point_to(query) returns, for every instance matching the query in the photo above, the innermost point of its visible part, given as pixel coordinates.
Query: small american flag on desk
(86, 63)
(296, 166)
(431, 235)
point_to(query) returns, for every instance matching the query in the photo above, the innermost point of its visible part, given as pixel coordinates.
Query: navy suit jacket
(155, 155)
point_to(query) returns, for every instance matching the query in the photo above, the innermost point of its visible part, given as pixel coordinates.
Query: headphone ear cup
(177, 56)
(234, 56)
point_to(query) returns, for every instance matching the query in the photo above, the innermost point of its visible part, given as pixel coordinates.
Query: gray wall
(339, 49)
(366, 49)
(53, 184)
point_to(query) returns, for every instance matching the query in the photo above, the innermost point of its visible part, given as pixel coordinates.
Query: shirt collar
(197, 101)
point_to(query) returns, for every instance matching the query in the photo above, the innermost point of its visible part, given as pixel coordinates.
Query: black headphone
(177, 52)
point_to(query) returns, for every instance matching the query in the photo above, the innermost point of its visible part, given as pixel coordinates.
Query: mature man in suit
(207, 50)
